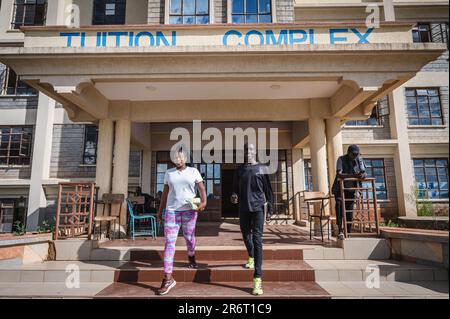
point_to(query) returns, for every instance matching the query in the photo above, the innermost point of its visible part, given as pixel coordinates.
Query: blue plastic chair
(161, 224)
(133, 218)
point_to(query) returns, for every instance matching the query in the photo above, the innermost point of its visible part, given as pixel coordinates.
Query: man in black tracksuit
(253, 191)
(350, 165)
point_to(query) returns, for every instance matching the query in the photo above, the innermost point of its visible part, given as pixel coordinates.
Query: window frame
(16, 26)
(167, 13)
(195, 15)
(230, 13)
(380, 118)
(308, 178)
(441, 118)
(444, 32)
(105, 2)
(84, 156)
(27, 157)
(372, 167)
(4, 84)
(424, 167)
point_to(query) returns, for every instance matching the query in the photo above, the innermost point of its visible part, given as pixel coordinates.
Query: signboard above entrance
(217, 36)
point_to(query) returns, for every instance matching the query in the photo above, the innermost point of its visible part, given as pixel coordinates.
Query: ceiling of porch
(175, 91)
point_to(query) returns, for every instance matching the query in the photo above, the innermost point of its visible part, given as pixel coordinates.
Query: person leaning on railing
(350, 165)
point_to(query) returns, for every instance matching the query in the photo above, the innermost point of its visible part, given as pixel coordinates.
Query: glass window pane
(202, 19)
(238, 6)
(410, 92)
(176, 20)
(266, 18)
(264, 6)
(210, 171)
(217, 171)
(251, 6)
(251, 19)
(188, 7)
(188, 20)
(238, 19)
(175, 6)
(202, 7)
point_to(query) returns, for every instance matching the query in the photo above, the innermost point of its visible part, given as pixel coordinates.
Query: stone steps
(217, 290)
(222, 271)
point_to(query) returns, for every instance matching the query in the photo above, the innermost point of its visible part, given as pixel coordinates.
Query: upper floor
(17, 13)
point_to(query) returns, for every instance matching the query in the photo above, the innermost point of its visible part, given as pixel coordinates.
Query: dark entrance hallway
(228, 209)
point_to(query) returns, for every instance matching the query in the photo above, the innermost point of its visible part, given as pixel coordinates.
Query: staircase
(290, 271)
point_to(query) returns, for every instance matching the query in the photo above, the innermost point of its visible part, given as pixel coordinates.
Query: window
(90, 145)
(378, 116)
(426, 32)
(280, 186)
(211, 174)
(12, 211)
(308, 176)
(11, 84)
(163, 163)
(29, 12)
(15, 145)
(431, 178)
(109, 12)
(251, 11)
(189, 12)
(375, 169)
(424, 107)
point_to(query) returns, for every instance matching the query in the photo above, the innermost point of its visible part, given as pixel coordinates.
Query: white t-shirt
(182, 187)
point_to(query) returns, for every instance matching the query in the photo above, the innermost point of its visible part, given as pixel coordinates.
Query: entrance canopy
(218, 72)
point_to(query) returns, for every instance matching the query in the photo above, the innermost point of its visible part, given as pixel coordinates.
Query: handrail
(365, 208)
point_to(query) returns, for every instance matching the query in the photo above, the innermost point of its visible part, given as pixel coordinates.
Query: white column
(40, 168)
(104, 156)
(334, 150)
(334, 144)
(404, 172)
(121, 163)
(318, 147)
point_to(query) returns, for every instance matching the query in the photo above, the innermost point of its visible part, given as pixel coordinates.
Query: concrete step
(216, 271)
(217, 290)
(388, 270)
(221, 271)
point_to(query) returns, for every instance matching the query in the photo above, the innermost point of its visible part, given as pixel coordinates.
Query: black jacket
(346, 166)
(252, 185)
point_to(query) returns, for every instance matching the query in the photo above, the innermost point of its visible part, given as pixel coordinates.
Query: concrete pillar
(318, 148)
(334, 150)
(104, 156)
(404, 171)
(42, 149)
(334, 144)
(121, 163)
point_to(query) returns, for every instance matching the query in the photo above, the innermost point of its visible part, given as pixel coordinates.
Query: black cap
(353, 149)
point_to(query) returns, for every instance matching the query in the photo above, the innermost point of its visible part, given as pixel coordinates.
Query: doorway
(228, 209)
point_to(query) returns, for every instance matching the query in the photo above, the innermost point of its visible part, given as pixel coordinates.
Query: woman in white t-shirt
(180, 184)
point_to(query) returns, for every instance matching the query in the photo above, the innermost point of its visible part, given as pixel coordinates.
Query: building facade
(98, 101)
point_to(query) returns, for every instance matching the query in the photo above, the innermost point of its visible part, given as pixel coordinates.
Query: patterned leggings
(173, 221)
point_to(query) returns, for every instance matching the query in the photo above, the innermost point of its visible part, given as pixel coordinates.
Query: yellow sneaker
(250, 263)
(257, 287)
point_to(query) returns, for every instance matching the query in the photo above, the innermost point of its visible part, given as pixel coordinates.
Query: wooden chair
(318, 197)
(109, 199)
